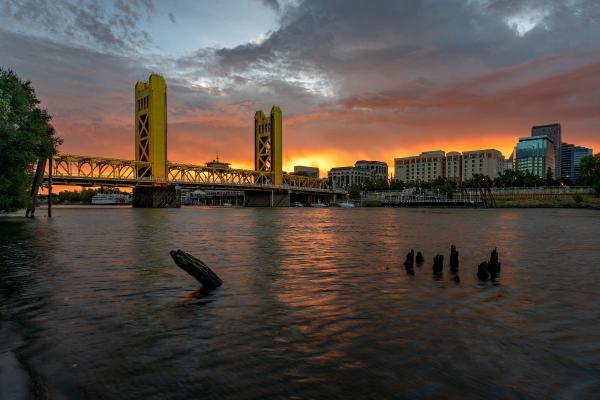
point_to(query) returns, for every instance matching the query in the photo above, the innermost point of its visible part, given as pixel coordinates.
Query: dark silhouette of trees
(590, 171)
(25, 137)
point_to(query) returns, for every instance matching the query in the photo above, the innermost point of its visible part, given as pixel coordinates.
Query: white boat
(346, 204)
(227, 204)
(111, 198)
(318, 204)
(296, 204)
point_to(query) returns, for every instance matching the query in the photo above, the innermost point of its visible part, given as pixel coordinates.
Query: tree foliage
(354, 191)
(83, 196)
(590, 171)
(25, 137)
(514, 178)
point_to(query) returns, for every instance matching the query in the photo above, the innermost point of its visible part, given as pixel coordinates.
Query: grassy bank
(592, 202)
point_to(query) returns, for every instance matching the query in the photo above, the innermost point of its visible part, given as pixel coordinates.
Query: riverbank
(589, 202)
(584, 202)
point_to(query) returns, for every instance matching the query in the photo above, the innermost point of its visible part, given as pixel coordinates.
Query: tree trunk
(197, 269)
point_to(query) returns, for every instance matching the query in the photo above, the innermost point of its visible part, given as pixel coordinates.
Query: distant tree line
(80, 197)
(439, 185)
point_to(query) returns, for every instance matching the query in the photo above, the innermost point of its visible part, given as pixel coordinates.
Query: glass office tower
(554, 133)
(536, 155)
(571, 160)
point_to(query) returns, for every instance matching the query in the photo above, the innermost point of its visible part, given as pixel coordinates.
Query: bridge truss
(69, 169)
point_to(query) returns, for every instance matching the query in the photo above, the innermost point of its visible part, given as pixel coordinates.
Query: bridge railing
(304, 182)
(76, 169)
(203, 174)
(68, 165)
(540, 190)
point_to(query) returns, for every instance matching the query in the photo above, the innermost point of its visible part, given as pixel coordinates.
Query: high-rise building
(536, 155)
(312, 172)
(509, 163)
(553, 132)
(578, 154)
(379, 169)
(571, 156)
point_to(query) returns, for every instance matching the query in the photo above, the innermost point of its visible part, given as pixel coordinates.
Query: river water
(315, 304)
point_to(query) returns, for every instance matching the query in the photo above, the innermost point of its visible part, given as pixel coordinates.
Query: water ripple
(316, 304)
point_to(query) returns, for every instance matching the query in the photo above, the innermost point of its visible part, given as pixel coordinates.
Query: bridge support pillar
(270, 198)
(156, 197)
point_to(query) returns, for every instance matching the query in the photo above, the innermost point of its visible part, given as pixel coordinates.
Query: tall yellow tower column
(268, 143)
(151, 127)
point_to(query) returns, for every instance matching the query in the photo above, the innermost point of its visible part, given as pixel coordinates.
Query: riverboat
(111, 199)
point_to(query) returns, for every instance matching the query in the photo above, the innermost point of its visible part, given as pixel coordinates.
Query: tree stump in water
(410, 259)
(420, 258)
(196, 268)
(453, 259)
(438, 263)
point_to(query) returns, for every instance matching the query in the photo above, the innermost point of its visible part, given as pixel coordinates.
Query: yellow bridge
(76, 170)
(152, 175)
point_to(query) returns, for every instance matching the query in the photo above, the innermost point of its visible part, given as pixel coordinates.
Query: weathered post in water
(494, 264)
(38, 178)
(438, 264)
(410, 259)
(453, 259)
(420, 258)
(482, 271)
(50, 187)
(197, 269)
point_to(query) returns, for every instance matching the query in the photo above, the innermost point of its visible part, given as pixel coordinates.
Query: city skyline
(361, 85)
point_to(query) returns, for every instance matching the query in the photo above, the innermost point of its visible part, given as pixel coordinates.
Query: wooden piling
(410, 259)
(420, 258)
(482, 271)
(438, 264)
(50, 187)
(494, 264)
(453, 259)
(38, 178)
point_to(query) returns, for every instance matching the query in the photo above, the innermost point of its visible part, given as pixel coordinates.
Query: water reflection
(316, 303)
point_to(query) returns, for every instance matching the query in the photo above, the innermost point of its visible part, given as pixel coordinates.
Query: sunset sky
(355, 79)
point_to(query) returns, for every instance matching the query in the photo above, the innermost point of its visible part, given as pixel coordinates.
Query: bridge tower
(151, 127)
(267, 143)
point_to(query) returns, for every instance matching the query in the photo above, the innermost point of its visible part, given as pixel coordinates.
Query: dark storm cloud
(404, 71)
(85, 22)
(383, 41)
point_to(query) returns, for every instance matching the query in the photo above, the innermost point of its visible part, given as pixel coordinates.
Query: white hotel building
(455, 166)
